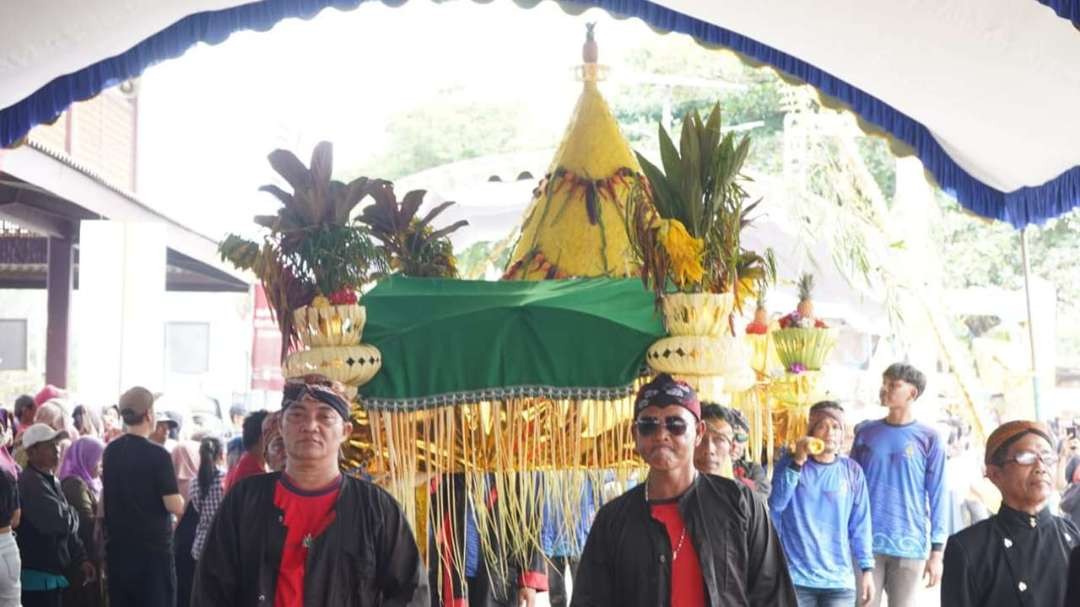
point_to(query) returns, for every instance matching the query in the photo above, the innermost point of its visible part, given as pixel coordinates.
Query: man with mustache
(310, 535)
(680, 538)
(713, 453)
(1019, 556)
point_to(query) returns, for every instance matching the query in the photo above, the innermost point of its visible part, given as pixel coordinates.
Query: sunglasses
(1028, 458)
(741, 437)
(648, 426)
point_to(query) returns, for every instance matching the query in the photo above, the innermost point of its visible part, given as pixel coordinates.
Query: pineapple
(760, 325)
(806, 303)
(803, 316)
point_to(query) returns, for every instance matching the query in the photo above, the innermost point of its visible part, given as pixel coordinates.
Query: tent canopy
(984, 93)
(451, 342)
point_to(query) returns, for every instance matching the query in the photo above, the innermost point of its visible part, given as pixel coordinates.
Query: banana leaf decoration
(700, 186)
(310, 246)
(413, 246)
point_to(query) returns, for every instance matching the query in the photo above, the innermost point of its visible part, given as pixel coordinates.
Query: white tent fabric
(997, 82)
(994, 82)
(43, 40)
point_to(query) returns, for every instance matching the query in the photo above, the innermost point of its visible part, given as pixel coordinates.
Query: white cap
(41, 433)
(167, 417)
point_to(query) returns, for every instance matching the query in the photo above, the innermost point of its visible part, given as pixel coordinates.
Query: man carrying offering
(680, 538)
(309, 535)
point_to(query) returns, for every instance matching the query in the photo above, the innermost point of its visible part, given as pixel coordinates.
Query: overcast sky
(209, 118)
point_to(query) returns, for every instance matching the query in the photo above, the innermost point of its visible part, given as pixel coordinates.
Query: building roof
(46, 193)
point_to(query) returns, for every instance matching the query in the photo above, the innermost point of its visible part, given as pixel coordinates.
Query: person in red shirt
(273, 443)
(310, 536)
(252, 462)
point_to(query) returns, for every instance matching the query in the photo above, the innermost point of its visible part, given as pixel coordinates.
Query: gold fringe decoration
(753, 404)
(791, 398)
(527, 450)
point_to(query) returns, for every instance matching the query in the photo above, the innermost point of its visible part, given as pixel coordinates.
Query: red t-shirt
(249, 465)
(687, 584)
(307, 515)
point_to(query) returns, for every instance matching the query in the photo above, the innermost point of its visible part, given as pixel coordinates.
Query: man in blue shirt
(821, 510)
(904, 463)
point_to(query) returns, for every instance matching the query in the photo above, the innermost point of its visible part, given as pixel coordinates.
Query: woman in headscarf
(52, 414)
(110, 423)
(80, 480)
(86, 421)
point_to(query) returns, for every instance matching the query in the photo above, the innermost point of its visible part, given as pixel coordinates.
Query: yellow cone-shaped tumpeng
(574, 226)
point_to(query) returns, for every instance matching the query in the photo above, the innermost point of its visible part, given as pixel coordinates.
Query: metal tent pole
(1031, 323)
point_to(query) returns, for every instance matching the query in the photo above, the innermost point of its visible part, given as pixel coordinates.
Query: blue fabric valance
(1066, 9)
(1020, 207)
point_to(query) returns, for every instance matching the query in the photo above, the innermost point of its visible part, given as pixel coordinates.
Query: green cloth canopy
(447, 342)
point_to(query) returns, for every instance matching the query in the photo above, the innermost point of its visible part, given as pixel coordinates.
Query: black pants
(487, 592)
(141, 578)
(45, 598)
(183, 539)
(557, 579)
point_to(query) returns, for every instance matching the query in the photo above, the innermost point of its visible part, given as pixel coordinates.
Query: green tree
(981, 252)
(451, 127)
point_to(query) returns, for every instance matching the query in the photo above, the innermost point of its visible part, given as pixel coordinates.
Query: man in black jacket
(310, 536)
(1019, 556)
(681, 538)
(48, 535)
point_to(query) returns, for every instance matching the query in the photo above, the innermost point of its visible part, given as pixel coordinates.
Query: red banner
(266, 351)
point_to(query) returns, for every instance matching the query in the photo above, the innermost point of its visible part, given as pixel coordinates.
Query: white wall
(29, 305)
(231, 332)
(228, 314)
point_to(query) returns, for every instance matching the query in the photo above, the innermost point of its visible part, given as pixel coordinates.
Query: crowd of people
(113, 505)
(119, 506)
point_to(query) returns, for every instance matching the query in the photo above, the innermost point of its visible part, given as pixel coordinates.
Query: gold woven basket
(709, 388)
(330, 325)
(689, 355)
(351, 365)
(697, 314)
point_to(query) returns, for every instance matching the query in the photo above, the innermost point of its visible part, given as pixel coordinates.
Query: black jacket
(1072, 593)
(367, 556)
(48, 535)
(626, 562)
(1011, 559)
